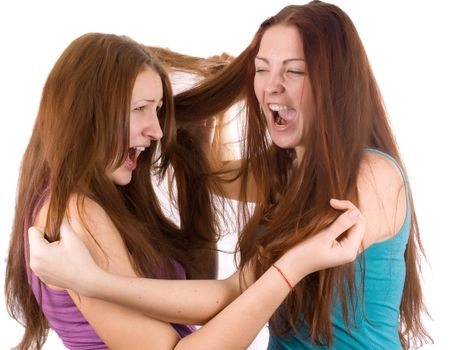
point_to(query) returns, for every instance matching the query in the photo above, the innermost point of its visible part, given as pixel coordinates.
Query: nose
(274, 84)
(152, 128)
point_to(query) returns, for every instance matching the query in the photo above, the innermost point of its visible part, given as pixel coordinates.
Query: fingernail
(353, 213)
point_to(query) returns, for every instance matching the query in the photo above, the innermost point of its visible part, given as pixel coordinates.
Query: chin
(122, 180)
(284, 145)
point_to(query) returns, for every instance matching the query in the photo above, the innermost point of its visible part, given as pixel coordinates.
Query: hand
(335, 245)
(66, 263)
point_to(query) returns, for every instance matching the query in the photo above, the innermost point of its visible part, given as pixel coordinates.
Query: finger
(36, 237)
(341, 204)
(343, 223)
(353, 240)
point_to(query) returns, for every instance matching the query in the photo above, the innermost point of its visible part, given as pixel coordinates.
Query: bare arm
(233, 328)
(382, 198)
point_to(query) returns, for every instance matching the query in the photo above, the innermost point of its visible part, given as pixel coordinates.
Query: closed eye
(296, 72)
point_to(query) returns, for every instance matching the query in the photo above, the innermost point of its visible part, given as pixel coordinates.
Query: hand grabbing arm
(66, 263)
(238, 323)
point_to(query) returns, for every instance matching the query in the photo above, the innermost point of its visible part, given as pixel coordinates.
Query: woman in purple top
(96, 143)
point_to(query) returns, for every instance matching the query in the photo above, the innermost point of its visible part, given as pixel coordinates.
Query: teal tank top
(375, 327)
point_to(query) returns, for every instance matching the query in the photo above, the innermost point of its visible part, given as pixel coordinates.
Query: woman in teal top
(312, 107)
(380, 275)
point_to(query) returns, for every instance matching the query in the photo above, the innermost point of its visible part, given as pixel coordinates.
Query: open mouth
(282, 114)
(133, 154)
(278, 119)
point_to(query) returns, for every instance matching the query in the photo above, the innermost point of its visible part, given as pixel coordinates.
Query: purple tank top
(66, 319)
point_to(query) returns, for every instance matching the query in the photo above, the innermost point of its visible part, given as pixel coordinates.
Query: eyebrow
(284, 61)
(150, 101)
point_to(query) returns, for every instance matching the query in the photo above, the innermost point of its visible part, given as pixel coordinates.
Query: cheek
(133, 124)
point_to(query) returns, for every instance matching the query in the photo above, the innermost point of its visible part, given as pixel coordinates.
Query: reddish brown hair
(82, 129)
(350, 116)
(200, 211)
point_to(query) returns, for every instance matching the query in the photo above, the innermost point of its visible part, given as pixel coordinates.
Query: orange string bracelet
(283, 276)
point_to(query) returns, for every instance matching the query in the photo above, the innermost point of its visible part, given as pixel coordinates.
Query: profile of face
(144, 127)
(282, 86)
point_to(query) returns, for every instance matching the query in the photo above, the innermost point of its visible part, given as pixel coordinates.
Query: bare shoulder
(79, 208)
(382, 197)
(94, 226)
(136, 331)
(90, 222)
(88, 218)
(379, 170)
(86, 209)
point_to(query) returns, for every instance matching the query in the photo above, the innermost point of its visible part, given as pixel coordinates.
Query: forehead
(281, 40)
(148, 85)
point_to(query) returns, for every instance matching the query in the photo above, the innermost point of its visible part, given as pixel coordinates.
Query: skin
(281, 82)
(110, 277)
(141, 316)
(144, 126)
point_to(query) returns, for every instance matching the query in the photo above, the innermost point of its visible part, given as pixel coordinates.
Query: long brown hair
(350, 116)
(200, 211)
(82, 129)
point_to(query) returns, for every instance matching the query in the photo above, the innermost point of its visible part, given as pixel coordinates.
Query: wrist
(92, 282)
(292, 267)
(284, 277)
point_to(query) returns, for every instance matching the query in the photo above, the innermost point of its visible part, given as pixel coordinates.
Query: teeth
(277, 108)
(139, 148)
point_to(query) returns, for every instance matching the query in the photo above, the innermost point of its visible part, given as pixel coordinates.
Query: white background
(407, 42)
